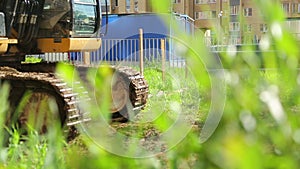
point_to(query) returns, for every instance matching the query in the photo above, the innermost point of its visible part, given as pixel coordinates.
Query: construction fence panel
(125, 52)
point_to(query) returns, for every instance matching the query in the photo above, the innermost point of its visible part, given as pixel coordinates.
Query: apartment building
(205, 12)
(291, 8)
(246, 24)
(239, 20)
(127, 6)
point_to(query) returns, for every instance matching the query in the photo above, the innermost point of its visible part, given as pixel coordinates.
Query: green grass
(51, 151)
(32, 59)
(267, 141)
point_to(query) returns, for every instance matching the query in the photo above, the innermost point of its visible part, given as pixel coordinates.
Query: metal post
(220, 38)
(163, 58)
(86, 58)
(141, 45)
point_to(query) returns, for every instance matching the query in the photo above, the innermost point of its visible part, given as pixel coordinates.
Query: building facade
(127, 6)
(239, 20)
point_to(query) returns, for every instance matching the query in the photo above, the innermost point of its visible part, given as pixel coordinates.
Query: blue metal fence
(125, 50)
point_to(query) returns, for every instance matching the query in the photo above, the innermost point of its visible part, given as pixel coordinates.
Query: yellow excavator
(30, 27)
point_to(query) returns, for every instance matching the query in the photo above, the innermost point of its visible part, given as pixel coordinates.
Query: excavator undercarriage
(39, 85)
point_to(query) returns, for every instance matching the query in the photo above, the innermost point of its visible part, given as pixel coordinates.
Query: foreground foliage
(259, 128)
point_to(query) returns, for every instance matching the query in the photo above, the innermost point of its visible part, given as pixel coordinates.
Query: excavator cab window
(70, 18)
(85, 17)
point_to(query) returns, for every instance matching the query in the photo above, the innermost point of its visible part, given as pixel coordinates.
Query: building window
(200, 1)
(248, 12)
(213, 14)
(234, 39)
(294, 8)
(136, 5)
(103, 7)
(247, 28)
(177, 1)
(234, 26)
(211, 1)
(286, 7)
(127, 5)
(196, 15)
(234, 10)
(263, 28)
(206, 15)
(201, 15)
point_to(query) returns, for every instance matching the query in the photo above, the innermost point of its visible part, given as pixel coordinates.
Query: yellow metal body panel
(3, 47)
(4, 43)
(68, 44)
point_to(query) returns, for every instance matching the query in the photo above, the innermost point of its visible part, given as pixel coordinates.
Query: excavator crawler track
(48, 83)
(67, 99)
(138, 92)
(135, 85)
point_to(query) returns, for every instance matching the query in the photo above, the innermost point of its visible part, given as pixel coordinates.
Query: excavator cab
(39, 26)
(70, 26)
